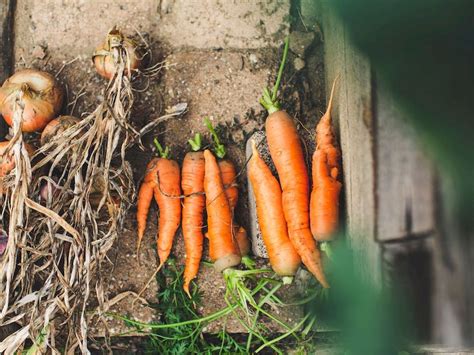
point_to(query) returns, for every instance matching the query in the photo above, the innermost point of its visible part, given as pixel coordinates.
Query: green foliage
(196, 142)
(164, 153)
(251, 300)
(219, 148)
(269, 99)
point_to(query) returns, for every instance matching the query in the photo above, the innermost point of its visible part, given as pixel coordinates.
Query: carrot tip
(186, 289)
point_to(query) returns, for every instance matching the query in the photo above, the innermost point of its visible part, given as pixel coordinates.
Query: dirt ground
(218, 56)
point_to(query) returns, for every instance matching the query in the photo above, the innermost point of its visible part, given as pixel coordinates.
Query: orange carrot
(163, 180)
(324, 206)
(287, 154)
(229, 178)
(283, 256)
(242, 240)
(192, 184)
(222, 247)
(228, 173)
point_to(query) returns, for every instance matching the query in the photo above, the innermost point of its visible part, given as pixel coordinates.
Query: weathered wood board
(404, 175)
(353, 117)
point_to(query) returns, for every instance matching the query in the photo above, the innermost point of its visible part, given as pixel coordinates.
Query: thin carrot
(229, 178)
(222, 247)
(283, 256)
(145, 195)
(227, 168)
(324, 205)
(192, 183)
(287, 154)
(242, 240)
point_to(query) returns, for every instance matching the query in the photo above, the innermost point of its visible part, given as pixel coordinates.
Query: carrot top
(195, 142)
(219, 148)
(269, 99)
(164, 153)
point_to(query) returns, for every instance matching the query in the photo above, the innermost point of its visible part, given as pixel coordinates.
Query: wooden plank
(404, 175)
(6, 38)
(453, 317)
(408, 272)
(353, 117)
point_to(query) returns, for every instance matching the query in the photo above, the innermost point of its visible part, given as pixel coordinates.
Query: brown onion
(107, 55)
(7, 161)
(57, 126)
(42, 98)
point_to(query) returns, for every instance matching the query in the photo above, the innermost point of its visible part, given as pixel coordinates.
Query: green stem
(248, 262)
(219, 148)
(209, 318)
(269, 99)
(280, 69)
(164, 153)
(283, 336)
(195, 143)
(260, 304)
(252, 331)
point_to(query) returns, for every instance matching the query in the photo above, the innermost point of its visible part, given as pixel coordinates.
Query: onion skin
(7, 162)
(45, 191)
(42, 98)
(57, 126)
(105, 54)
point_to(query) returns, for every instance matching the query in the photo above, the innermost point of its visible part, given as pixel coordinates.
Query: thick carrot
(324, 206)
(192, 184)
(283, 256)
(287, 154)
(222, 247)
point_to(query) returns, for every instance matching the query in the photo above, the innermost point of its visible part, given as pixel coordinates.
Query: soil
(217, 67)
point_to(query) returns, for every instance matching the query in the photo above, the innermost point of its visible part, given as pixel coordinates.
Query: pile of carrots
(292, 218)
(208, 182)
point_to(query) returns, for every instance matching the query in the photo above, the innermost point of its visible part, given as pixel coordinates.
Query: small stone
(300, 42)
(39, 52)
(298, 63)
(253, 59)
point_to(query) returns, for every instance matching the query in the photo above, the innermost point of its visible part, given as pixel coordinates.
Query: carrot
(283, 256)
(242, 240)
(162, 180)
(229, 178)
(227, 168)
(223, 250)
(192, 183)
(324, 205)
(287, 154)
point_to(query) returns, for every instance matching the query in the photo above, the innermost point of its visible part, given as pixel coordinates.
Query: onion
(42, 98)
(7, 161)
(57, 126)
(116, 48)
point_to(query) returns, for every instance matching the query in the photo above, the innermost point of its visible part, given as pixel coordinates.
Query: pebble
(298, 63)
(253, 59)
